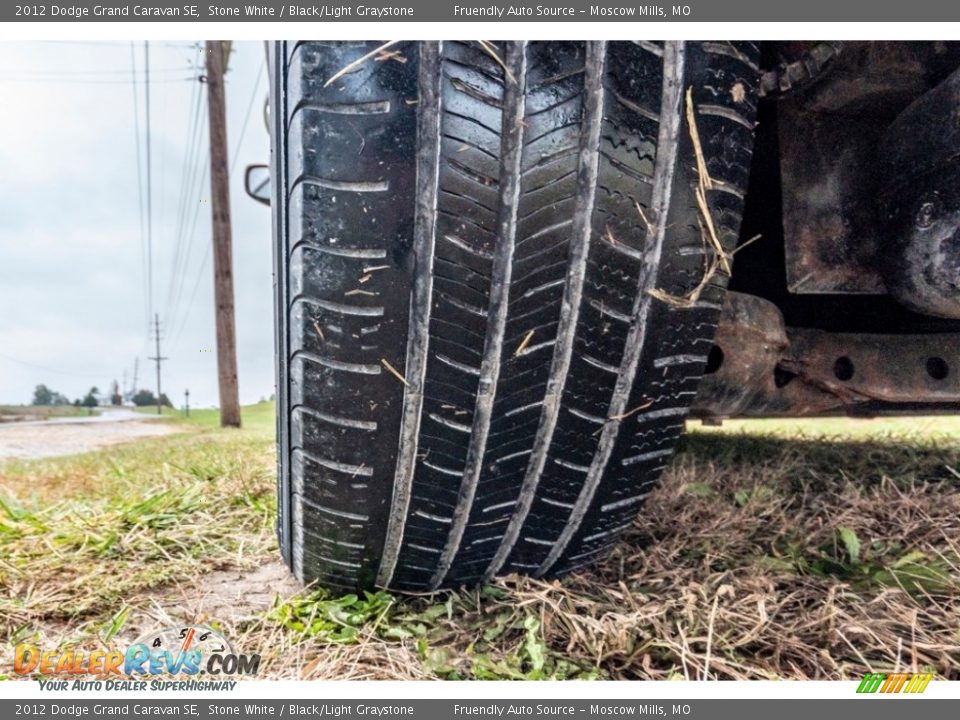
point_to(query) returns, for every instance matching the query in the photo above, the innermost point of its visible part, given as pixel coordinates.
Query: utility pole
(186, 401)
(159, 358)
(136, 372)
(217, 55)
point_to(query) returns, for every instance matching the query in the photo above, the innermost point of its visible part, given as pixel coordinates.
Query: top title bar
(480, 11)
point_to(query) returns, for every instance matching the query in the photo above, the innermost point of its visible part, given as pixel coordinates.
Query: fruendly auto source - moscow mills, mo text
(559, 10)
(251, 10)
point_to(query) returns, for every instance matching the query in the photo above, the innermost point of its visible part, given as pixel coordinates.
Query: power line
(196, 185)
(161, 120)
(175, 338)
(107, 43)
(181, 202)
(193, 118)
(146, 60)
(197, 181)
(80, 81)
(136, 130)
(27, 72)
(86, 376)
(188, 180)
(191, 159)
(191, 236)
(193, 295)
(246, 119)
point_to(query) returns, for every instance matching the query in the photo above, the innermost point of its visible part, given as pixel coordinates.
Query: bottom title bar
(201, 708)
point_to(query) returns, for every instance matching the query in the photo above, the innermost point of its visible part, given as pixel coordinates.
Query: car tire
(497, 283)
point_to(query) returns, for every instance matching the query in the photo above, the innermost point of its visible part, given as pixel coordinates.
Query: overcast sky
(72, 293)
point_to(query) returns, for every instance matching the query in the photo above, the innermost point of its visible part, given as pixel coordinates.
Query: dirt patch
(223, 598)
(23, 441)
(230, 596)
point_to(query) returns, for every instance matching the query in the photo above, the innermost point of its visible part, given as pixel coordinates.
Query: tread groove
(509, 197)
(667, 144)
(425, 227)
(588, 168)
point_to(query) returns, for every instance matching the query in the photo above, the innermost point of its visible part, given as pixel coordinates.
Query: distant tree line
(42, 395)
(145, 397)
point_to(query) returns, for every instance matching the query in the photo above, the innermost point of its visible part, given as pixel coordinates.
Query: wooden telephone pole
(217, 55)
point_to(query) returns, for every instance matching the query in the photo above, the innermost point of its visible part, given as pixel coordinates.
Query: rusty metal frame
(766, 370)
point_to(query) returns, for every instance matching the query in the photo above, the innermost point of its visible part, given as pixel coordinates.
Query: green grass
(99, 528)
(775, 549)
(434, 631)
(258, 418)
(921, 430)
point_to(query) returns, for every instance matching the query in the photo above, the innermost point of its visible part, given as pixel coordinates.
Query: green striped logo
(894, 683)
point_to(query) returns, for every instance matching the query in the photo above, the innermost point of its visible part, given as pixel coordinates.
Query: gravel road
(68, 436)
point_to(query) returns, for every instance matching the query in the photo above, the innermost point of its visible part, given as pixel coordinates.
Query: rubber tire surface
(474, 377)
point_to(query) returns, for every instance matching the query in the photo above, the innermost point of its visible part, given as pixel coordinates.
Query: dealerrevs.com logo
(176, 651)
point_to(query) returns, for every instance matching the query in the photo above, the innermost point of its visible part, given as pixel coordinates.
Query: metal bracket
(767, 370)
